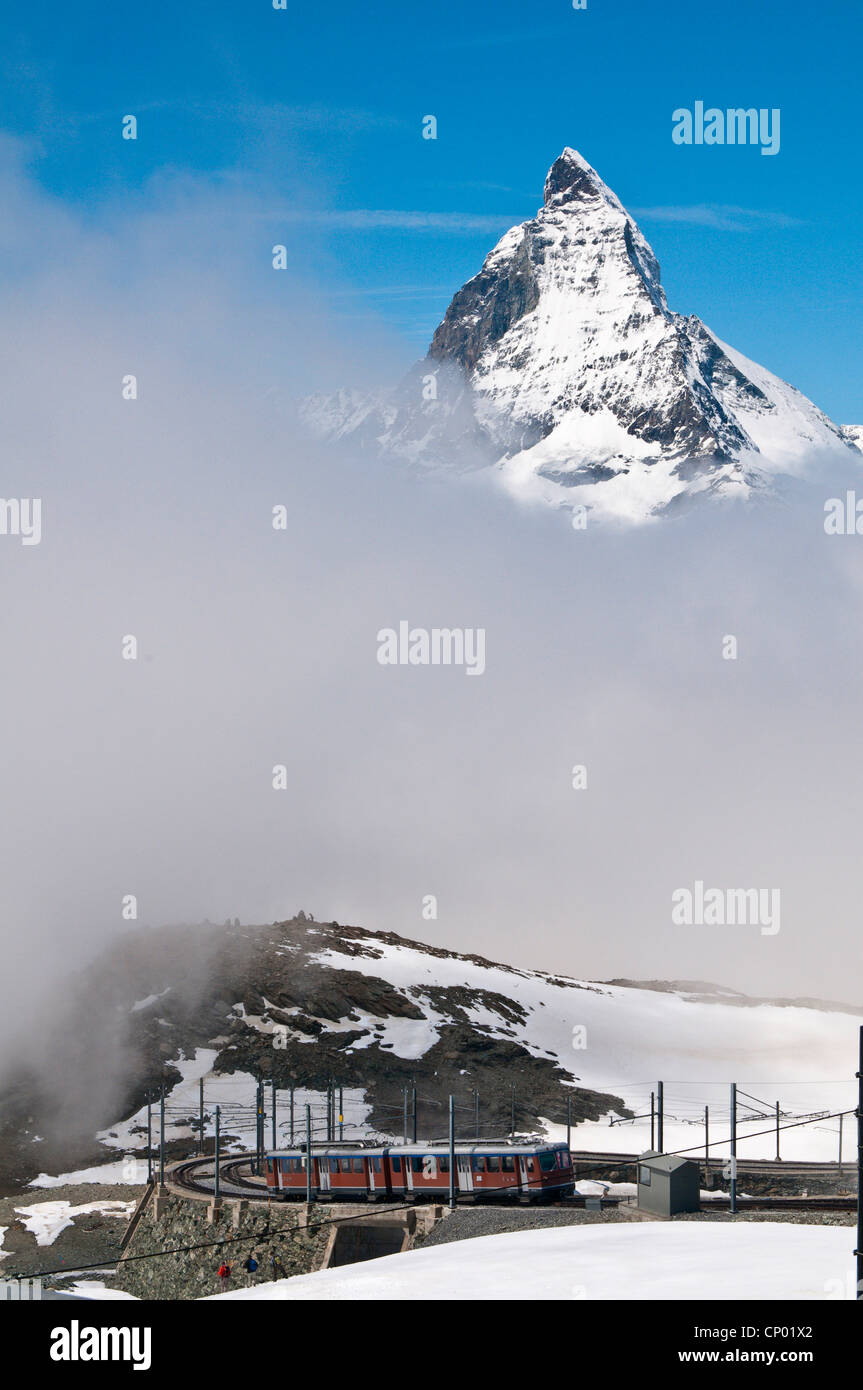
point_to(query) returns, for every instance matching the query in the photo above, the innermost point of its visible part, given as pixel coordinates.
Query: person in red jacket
(224, 1273)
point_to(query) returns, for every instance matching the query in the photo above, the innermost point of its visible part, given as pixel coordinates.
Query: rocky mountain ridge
(561, 367)
(308, 1005)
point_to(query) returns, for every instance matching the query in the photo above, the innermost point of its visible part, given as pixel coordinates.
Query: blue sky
(319, 109)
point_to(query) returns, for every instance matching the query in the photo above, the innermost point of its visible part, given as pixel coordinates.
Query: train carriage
(483, 1171)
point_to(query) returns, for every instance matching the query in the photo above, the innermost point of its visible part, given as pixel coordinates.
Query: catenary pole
(414, 1114)
(706, 1146)
(259, 1128)
(308, 1153)
(275, 1127)
(653, 1120)
(257, 1159)
(254, 1163)
(201, 1115)
(778, 1155)
(660, 1118)
(162, 1137)
(859, 1250)
(149, 1136)
(218, 1147)
(733, 1147)
(342, 1113)
(452, 1151)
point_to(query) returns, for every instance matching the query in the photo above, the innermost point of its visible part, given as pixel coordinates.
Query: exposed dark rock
(143, 1009)
(566, 320)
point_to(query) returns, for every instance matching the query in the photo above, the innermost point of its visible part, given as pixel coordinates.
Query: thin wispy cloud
(484, 186)
(316, 117)
(388, 291)
(723, 216)
(389, 219)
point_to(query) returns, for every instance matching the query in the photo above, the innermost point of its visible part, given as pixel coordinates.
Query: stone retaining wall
(284, 1234)
(285, 1239)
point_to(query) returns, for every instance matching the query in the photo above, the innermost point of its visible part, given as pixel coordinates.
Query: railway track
(765, 1166)
(783, 1204)
(196, 1175)
(743, 1203)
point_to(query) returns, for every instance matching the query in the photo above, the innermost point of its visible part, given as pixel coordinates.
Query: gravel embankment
(468, 1222)
(799, 1218)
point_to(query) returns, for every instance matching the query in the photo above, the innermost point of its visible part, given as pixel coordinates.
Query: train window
(269, 1165)
(397, 1163)
(376, 1165)
(416, 1163)
(444, 1164)
(359, 1165)
(563, 1158)
(493, 1163)
(529, 1165)
(507, 1163)
(345, 1165)
(334, 1165)
(546, 1161)
(478, 1163)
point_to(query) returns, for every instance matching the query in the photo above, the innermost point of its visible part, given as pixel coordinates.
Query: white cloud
(723, 216)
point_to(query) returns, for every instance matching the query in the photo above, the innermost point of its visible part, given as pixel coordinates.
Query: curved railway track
(196, 1175)
(769, 1167)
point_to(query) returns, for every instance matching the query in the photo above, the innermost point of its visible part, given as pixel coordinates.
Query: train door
(323, 1167)
(396, 1173)
(523, 1176)
(376, 1179)
(465, 1174)
(420, 1170)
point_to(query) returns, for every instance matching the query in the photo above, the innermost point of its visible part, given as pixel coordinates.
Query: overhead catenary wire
(255, 1236)
(289, 1235)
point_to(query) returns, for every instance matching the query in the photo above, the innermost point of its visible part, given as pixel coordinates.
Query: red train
(520, 1172)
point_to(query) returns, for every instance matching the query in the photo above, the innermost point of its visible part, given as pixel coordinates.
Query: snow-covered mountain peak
(560, 365)
(571, 179)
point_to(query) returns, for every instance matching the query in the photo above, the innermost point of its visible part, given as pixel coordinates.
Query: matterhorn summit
(561, 366)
